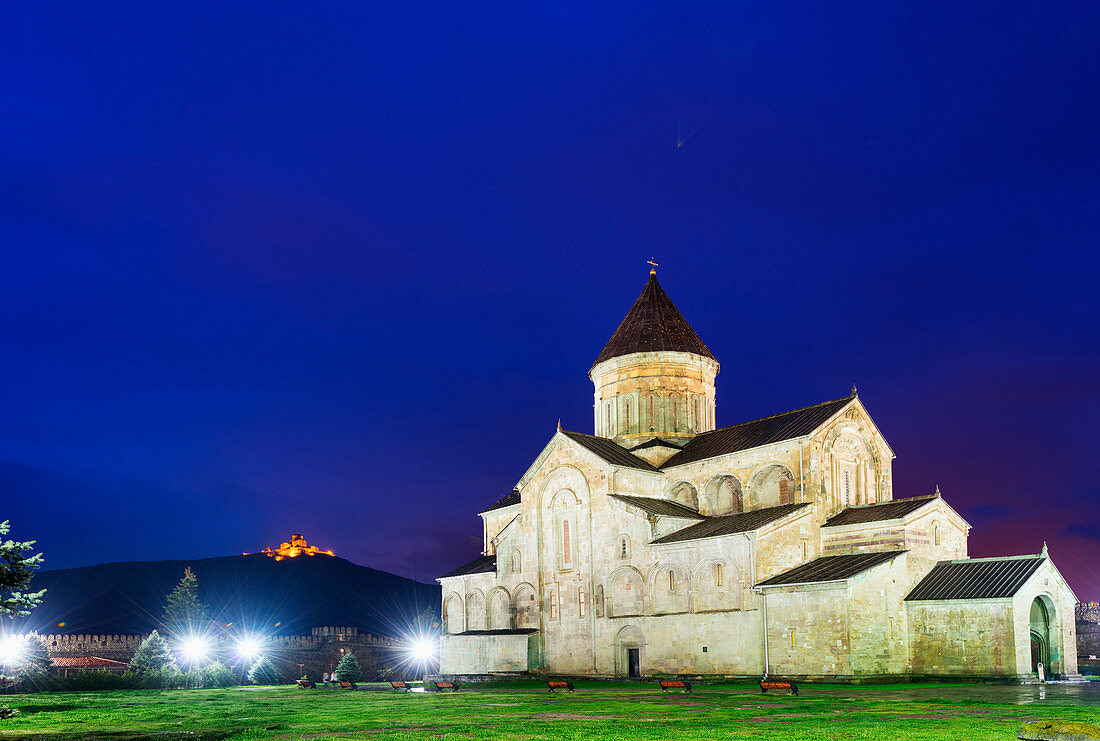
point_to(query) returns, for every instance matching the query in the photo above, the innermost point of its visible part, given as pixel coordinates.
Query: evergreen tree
(263, 672)
(152, 655)
(34, 662)
(184, 614)
(35, 659)
(348, 670)
(217, 674)
(16, 570)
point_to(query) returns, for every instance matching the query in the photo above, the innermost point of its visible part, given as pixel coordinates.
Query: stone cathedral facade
(663, 545)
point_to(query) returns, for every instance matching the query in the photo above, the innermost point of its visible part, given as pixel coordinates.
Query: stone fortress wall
(1088, 637)
(292, 656)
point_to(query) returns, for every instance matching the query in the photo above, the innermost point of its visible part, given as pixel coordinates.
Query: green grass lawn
(601, 710)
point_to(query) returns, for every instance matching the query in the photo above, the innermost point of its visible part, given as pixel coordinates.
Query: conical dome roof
(653, 324)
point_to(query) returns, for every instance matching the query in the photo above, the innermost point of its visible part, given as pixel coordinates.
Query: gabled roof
(610, 451)
(744, 522)
(830, 568)
(757, 432)
(505, 501)
(892, 510)
(481, 565)
(661, 507)
(976, 578)
(653, 324)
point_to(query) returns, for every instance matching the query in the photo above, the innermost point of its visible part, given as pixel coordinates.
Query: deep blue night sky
(341, 269)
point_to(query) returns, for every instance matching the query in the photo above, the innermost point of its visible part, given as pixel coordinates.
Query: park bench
(674, 684)
(777, 684)
(306, 684)
(399, 686)
(559, 684)
(349, 685)
(441, 686)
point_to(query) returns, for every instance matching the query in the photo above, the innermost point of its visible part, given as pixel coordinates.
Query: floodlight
(11, 649)
(249, 647)
(195, 648)
(422, 649)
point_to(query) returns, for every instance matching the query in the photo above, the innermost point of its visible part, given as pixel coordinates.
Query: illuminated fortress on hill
(296, 547)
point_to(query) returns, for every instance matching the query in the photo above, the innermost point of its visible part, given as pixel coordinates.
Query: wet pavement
(1087, 693)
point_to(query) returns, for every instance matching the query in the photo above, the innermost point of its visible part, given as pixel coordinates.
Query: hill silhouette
(253, 592)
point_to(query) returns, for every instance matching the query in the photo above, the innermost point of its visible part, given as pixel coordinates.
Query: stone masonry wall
(291, 655)
(962, 637)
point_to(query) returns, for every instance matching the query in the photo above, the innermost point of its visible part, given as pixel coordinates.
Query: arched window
(672, 580)
(581, 602)
(566, 548)
(553, 604)
(517, 562)
(627, 416)
(935, 533)
(784, 491)
(624, 547)
(561, 534)
(607, 431)
(718, 574)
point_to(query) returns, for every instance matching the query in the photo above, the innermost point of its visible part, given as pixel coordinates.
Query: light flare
(195, 648)
(11, 649)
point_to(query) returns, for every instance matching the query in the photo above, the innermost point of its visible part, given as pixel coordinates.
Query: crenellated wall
(293, 656)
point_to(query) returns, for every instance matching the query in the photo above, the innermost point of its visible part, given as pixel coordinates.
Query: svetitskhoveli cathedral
(664, 545)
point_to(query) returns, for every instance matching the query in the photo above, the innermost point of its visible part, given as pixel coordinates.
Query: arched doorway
(1042, 614)
(630, 652)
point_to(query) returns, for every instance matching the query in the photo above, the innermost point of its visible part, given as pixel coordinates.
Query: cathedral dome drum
(655, 377)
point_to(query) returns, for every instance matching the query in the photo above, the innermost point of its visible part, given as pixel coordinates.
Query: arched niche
(716, 585)
(722, 495)
(526, 607)
(475, 610)
(852, 467)
(500, 609)
(563, 516)
(626, 593)
(671, 588)
(685, 493)
(453, 614)
(771, 486)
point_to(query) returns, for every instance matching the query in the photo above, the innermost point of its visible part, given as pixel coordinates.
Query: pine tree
(217, 674)
(184, 614)
(348, 670)
(153, 655)
(35, 658)
(263, 672)
(16, 570)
